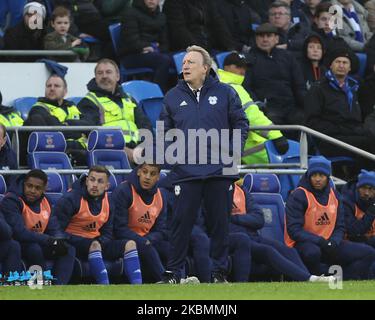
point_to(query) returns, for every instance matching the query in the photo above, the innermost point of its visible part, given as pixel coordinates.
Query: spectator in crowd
(370, 7)
(8, 158)
(291, 34)
(113, 11)
(28, 211)
(141, 215)
(366, 95)
(322, 26)
(332, 108)
(208, 182)
(90, 23)
(10, 250)
(9, 116)
(312, 60)
(247, 217)
(235, 67)
(144, 40)
(10, 13)
(359, 206)
(308, 10)
(86, 214)
(354, 30)
(261, 7)
(106, 104)
(315, 226)
(197, 22)
(54, 110)
(239, 18)
(274, 77)
(296, 12)
(87, 17)
(27, 34)
(61, 39)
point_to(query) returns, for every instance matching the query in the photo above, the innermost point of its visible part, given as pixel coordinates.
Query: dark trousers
(279, 257)
(356, 259)
(240, 251)
(151, 259)
(215, 196)
(159, 62)
(199, 250)
(10, 256)
(36, 254)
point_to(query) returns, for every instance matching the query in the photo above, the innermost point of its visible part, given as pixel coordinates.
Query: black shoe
(219, 278)
(169, 277)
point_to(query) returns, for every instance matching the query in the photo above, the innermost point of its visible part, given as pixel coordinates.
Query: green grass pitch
(243, 291)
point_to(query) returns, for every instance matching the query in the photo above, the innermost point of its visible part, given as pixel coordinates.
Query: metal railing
(282, 168)
(17, 53)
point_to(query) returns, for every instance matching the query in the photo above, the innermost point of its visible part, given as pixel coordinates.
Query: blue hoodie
(69, 204)
(296, 207)
(123, 199)
(219, 108)
(250, 222)
(11, 207)
(354, 227)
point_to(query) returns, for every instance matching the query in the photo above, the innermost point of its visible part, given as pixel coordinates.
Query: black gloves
(329, 250)
(281, 145)
(57, 247)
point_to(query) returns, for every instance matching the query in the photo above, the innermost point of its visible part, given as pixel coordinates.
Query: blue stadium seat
(362, 57)
(23, 105)
(288, 182)
(75, 100)
(115, 32)
(265, 188)
(178, 59)
(220, 57)
(46, 150)
(55, 187)
(3, 187)
(148, 96)
(106, 148)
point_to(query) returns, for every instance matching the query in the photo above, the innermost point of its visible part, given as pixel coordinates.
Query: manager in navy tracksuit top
(200, 101)
(315, 225)
(28, 212)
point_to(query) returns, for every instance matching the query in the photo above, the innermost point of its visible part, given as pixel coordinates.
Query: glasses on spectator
(274, 14)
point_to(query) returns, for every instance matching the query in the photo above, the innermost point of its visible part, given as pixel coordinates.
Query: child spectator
(60, 39)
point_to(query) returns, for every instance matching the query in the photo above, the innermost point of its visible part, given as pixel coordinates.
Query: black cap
(266, 28)
(343, 52)
(236, 59)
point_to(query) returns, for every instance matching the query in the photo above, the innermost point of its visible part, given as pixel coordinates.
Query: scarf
(353, 20)
(346, 88)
